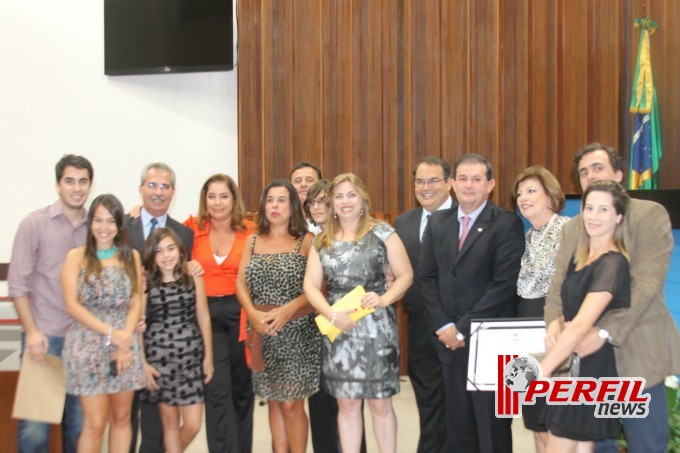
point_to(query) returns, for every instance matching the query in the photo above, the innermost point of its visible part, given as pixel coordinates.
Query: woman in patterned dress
(283, 339)
(363, 362)
(178, 342)
(539, 198)
(102, 357)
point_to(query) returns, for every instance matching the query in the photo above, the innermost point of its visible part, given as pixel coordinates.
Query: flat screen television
(167, 36)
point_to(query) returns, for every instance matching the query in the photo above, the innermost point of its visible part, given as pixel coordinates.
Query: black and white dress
(174, 345)
(364, 361)
(292, 358)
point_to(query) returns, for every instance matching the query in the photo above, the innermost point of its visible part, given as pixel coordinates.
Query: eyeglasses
(162, 186)
(428, 182)
(313, 203)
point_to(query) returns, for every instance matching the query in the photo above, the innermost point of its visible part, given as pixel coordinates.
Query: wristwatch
(604, 335)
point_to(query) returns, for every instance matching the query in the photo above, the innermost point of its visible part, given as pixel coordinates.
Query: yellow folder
(351, 301)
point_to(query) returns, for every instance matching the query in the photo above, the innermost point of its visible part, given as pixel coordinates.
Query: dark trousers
(471, 422)
(151, 425)
(644, 435)
(425, 372)
(229, 400)
(323, 422)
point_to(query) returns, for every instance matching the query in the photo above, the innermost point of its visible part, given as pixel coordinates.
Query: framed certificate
(490, 338)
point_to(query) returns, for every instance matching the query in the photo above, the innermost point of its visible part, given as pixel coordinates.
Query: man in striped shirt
(40, 246)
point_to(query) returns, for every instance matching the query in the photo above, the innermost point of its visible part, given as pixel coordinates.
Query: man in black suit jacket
(157, 189)
(432, 182)
(469, 264)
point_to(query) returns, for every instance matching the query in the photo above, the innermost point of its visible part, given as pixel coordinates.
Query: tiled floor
(404, 406)
(407, 431)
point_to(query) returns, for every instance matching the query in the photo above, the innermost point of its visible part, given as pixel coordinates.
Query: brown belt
(254, 338)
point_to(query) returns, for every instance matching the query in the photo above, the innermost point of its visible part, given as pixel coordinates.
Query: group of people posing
(158, 322)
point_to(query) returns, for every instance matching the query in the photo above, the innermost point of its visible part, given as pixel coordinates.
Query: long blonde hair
(366, 222)
(621, 201)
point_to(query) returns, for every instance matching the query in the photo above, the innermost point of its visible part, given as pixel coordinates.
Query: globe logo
(520, 372)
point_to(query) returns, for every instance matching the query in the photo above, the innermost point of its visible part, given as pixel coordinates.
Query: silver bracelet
(108, 337)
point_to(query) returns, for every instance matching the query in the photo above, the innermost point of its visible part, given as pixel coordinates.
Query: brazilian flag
(646, 150)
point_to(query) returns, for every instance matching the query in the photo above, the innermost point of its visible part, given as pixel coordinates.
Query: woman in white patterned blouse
(539, 199)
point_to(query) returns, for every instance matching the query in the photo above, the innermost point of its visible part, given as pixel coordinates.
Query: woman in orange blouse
(220, 232)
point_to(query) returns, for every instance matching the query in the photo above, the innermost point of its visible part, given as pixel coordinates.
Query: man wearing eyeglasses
(157, 189)
(432, 185)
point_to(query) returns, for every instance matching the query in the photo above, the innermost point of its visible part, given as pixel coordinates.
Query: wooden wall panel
(483, 115)
(307, 81)
(278, 88)
(542, 82)
(367, 97)
(572, 89)
(455, 80)
(393, 193)
(372, 87)
(337, 85)
(513, 95)
(250, 102)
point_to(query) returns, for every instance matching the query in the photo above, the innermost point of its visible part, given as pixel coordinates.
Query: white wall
(55, 99)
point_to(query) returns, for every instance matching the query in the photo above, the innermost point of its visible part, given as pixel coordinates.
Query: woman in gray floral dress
(362, 362)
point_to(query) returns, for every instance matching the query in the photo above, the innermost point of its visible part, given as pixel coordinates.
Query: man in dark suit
(432, 182)
(157, 189)
(469, 264)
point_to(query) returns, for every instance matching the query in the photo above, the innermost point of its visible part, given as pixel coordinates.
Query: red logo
(520, 382)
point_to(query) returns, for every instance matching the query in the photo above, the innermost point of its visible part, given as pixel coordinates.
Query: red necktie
(466, 222)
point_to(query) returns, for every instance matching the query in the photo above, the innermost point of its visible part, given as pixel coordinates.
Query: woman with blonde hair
(363, 362)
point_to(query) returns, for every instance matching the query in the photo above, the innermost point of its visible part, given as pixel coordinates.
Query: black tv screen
(165, 36)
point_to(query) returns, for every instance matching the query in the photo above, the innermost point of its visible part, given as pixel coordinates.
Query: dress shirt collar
(473, 215)
(57, 209)
(425, 214)
(146, 221)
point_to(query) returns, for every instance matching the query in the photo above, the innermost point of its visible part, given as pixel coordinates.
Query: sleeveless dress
(174, 345)
(364, 361)
(292, 358)
(86, 356)
(611, 273)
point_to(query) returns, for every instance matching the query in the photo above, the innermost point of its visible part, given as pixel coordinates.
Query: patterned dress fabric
(86, 356)
(610, 273)
(174, 345)
(538, 261)
(292, 358)
(364, 361)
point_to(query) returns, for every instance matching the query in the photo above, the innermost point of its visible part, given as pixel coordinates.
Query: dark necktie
(427, 217)
(154, 224)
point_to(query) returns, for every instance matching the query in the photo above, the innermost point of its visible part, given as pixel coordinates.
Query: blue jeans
(644, 435)
(34, 437)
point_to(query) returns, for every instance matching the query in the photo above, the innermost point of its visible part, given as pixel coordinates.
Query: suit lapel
(413, 230)
(452, 239)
